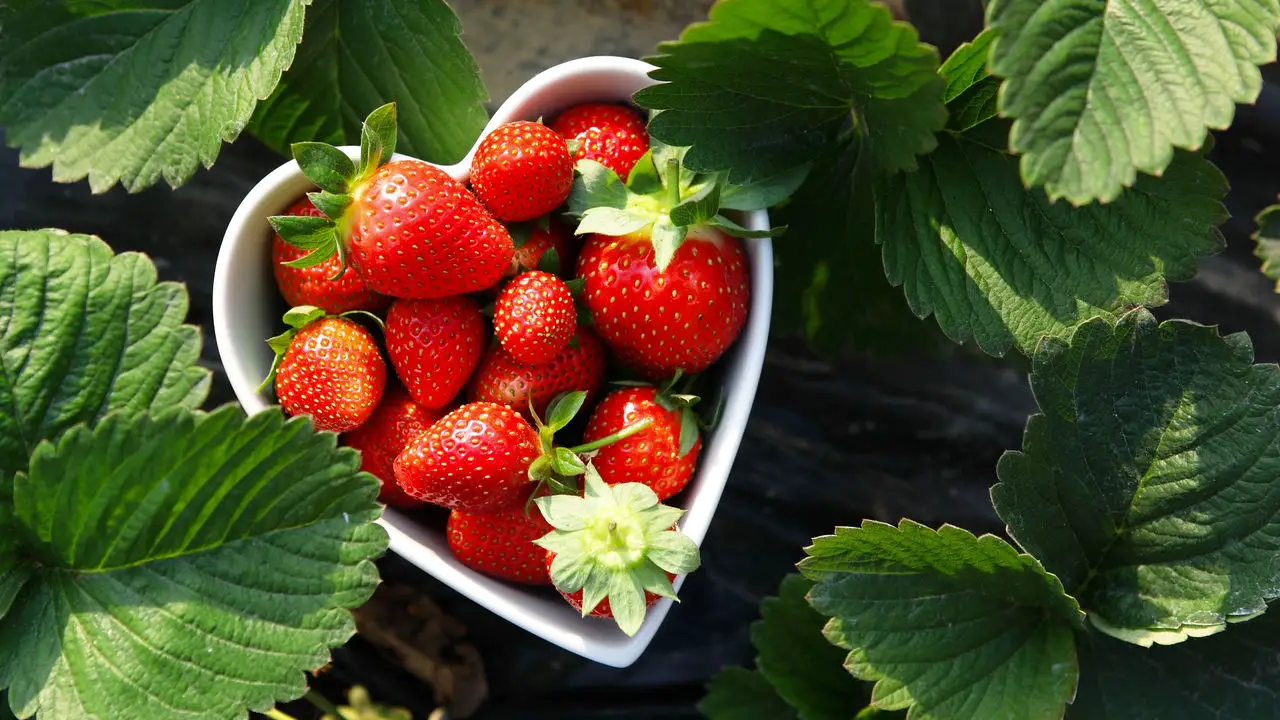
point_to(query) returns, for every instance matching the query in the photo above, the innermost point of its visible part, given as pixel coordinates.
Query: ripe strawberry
(329, 368)
(504, 380)
(406, 227)
(680, 318)
(522, 170)
(613, 135)
(653, 456)
(501, 544)
(313, 285)
(394, 424)
(528, 256)
(534, 317)
(475, 459)
(435, 345)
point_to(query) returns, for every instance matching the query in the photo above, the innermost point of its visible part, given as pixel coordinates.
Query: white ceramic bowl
(247, 310)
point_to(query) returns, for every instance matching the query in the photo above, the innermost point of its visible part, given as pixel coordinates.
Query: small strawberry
(501, 544)
(522, 170)
(435, 345)
(314, 285)
(530, 253)
(616, 544)
(663, 456)
(394, 424)
(327, 367)
(613, 135)
(504, 380)
(534, 317)
(406, 227)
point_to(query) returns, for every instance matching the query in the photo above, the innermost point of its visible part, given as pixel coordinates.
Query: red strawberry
(522, 170)
(528, 256)
(501, 544)
(680, 318)
(613, 135)
(406, 227)
(435, 345)
(504, 380)
(652, 456)
(475, 459)
(394, 424)
(313, 285)
(329, 368)
(602, 610)
(534, 317)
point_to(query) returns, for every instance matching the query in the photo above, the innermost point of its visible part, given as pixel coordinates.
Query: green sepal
(612, 221)
(567, 463)
(688, 430)
(595, 185)
(573, 145)
(302, 316)
(540, 469)
(700, 206)
(563, 408)
(368, 315)
(667, 239)
(520, 233)
(377, 139)
(550, 262)
(296, 318)
(325, 165)
(333, 206)
(615, 542)
(730, 227)
(644, 178)
(307, 232)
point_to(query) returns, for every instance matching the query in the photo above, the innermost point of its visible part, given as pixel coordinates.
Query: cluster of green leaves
(156, 560)
(136, 91)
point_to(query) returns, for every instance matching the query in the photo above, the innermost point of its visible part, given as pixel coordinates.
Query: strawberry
(529, 254)
(406, 227)
(475, 459)
(613, 135)
(522, 170)
(663, 456)
(615, 550)
(396, 421)
(313, 285)
(502, 379)
(435, 345)
(501, 544)
(658, 321)
(327, 367)
(534, 317)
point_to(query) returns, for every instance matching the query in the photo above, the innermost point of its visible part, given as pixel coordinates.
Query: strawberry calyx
(682, 402)
(557, 468)
(340, 181)
(298, 318)
(616, 543)
(660, 196)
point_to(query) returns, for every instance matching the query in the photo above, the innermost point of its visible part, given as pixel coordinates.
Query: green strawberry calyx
(339, 180)
(615, 542)
(557, 468)
(297, 318)
(660, 197)
(681, 402)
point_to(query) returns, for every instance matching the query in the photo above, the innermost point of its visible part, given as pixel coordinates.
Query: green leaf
(765, 192)
(699, 206)
(564, 408)
(806, 670)
(138, 91)
(1146, 483)
(325, 165)
(358, 56)
(666, 238)
(1231, 676)
(1000, 264)
(194, 565)
(381, 125)
(1102, 89)
(83, 333)
(305, 231)
(1267, 240)
(971, 91)
(741, 694)
(730, 87)
(333, 206)
(948, 624)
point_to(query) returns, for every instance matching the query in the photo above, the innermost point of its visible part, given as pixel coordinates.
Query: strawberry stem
(673, 182)
(622, 434)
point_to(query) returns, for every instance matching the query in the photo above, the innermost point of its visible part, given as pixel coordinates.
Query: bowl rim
(410, 539)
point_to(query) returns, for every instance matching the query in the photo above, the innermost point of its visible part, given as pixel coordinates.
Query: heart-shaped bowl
(247, 309)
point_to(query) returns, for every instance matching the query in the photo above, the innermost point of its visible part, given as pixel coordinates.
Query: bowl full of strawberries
(546, 353)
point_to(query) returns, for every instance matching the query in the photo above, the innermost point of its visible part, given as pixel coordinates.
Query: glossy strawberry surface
(332, 371)
(501, 544)
(396, 422)
(435, 345)
(522, 170)
(613, 135)
(534, 317)
(504, 380)
(651, 456)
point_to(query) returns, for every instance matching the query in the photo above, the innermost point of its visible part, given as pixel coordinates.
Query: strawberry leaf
(136, 92)
(741, 694)
(971, 91)
(84, 332)
(358, 56)
(765, 192)
(1267, 240)
(215, 548)
(1146, 484)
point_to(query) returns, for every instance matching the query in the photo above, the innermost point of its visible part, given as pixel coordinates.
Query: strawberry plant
(1033, 194)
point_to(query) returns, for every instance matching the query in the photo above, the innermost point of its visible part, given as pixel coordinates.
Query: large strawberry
(501, 544)
(666, 281)
(617, 545)
(502, 379)
(435, 345)
(522, 170)
(396, 422)
(534, 317)
(663, 456)
(314, 284)
(535, 239)
(612, 135)
(406, 227)
(327, 367)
